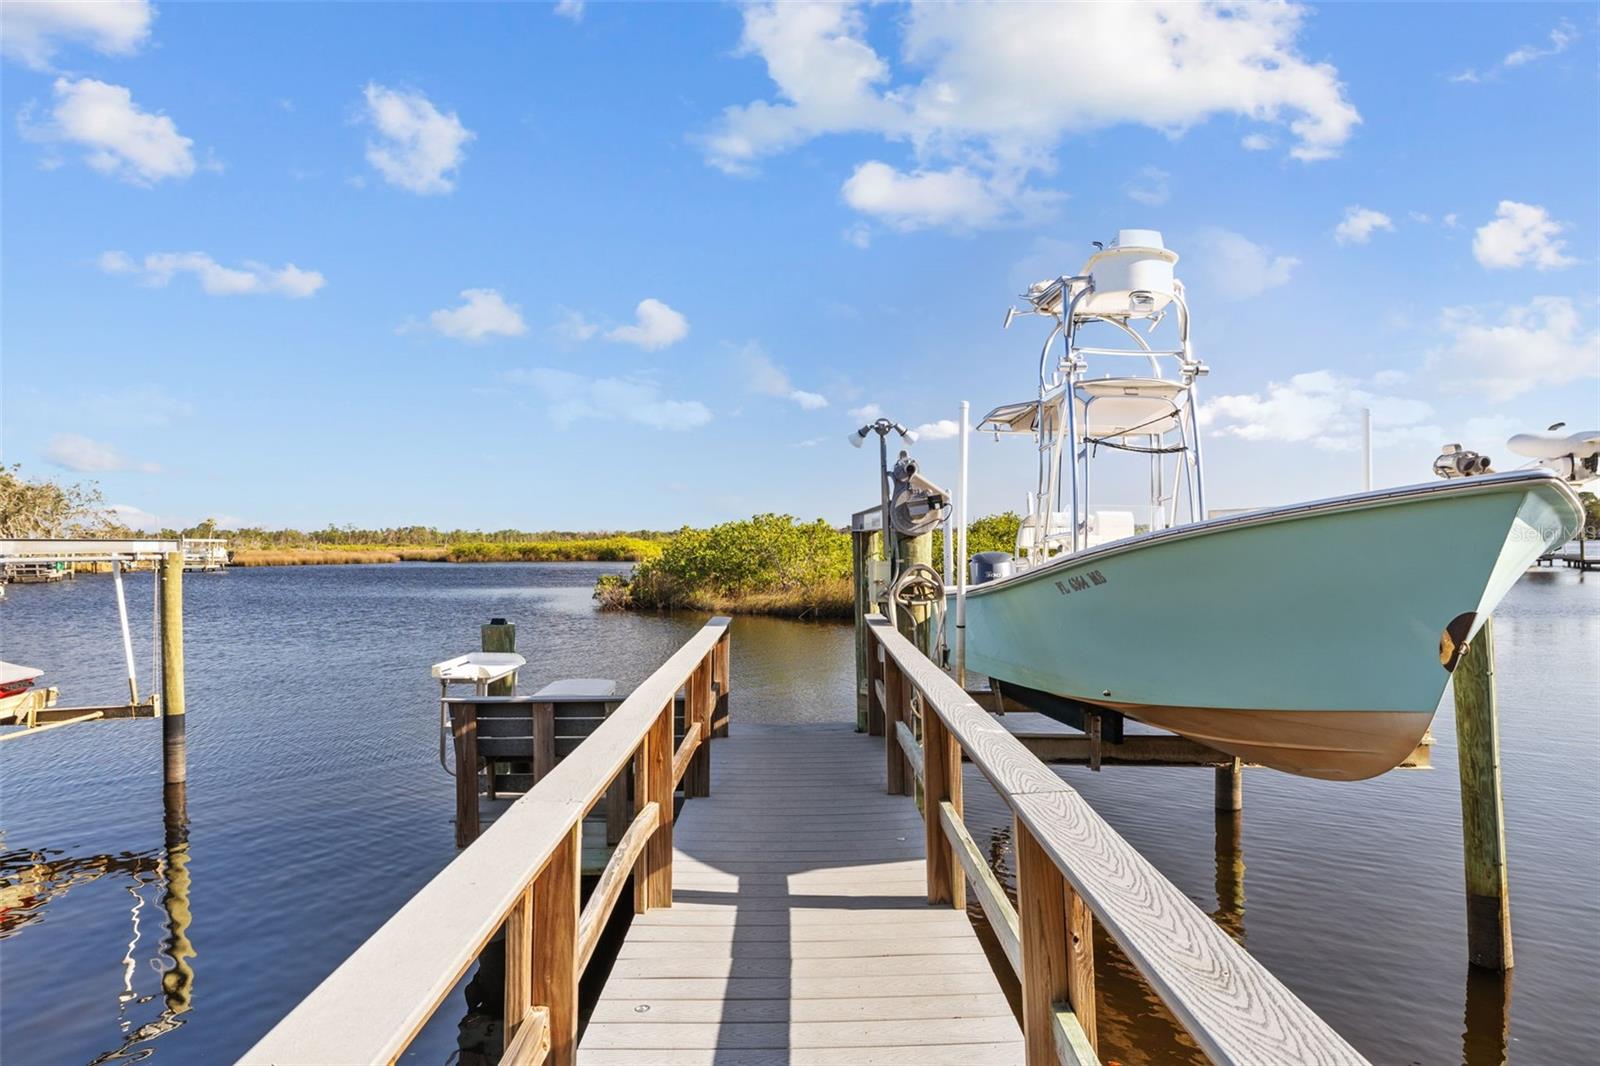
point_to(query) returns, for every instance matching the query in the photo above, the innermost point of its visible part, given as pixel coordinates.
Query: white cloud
(1238, 268)
(120, 139)
(859, 235)
(1561, 39)
(1537, 344)
(570, 9)
(767, 378)
(249, 278)
(956, 197)
(1256, 142)
(135, 517)
(656, 326)
(985, 93)
(867, 412)
(483, 313)
(1521, 235)
(574, 397)
(1151, 187)
(574, 326)
(416, 146)
(1421, 217)
(1320, 408)
(31, 32)
(943, 429)
(1359, 223)
(1451, 221)
(78, 453)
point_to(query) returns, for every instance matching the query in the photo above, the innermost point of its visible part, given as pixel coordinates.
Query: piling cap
(497, 621)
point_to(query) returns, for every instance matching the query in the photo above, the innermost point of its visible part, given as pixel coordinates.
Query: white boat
(1312, 638)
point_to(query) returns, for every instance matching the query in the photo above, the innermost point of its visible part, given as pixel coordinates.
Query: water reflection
(1486, 1036)
(31, 880)
(1230, 873)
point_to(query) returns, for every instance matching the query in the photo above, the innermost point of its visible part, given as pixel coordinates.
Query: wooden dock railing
(1073, 868)
(523, 874)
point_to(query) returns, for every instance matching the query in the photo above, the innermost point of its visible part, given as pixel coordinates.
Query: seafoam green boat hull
(1306, 638)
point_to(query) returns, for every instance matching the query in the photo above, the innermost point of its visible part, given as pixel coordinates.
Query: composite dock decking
(799, 930)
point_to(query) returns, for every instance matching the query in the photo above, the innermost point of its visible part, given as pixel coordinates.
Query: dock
(800, 929)
(803, 901)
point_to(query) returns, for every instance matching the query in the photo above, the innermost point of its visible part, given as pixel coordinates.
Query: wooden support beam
(595, 912)
(684, 755)
(464, 730)
(174, 747)
(532, 1045)
(555, 945)
(1483, 834)
(997, 908)
(657, 788)
(941, 784)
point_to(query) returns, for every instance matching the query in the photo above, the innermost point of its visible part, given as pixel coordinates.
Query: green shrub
(766, 554)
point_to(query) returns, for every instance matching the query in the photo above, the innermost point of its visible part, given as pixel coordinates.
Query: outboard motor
(916, 505)
(991, 566)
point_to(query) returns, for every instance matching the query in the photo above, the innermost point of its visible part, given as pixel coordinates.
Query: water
(316, 807)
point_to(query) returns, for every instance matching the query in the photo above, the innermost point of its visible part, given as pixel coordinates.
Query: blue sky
(617, 266)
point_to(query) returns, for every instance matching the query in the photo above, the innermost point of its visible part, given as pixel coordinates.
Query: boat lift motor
(1456, 461)
(916, 505)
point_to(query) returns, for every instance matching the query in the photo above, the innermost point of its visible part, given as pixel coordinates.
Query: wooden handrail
(1229, 1002)
(521, 873)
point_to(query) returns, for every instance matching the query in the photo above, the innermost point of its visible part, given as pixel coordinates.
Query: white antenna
(1366, 448)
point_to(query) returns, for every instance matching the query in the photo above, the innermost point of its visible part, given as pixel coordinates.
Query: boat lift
(36, 711)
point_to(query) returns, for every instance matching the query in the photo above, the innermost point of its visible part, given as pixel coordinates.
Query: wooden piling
(499, 635)
(657, 787)
(697, 714)
(464, 730)
(174, 748)
(1483, 835)
(1230, 787)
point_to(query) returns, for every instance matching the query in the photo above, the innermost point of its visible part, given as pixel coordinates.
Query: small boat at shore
(1309, 638)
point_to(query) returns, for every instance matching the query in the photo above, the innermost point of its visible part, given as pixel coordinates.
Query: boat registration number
(1080, 582)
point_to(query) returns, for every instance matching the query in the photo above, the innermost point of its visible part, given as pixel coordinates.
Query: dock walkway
(800, 930)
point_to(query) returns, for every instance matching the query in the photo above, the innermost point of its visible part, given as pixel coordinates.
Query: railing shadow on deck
(1072, 869)
(522, 875)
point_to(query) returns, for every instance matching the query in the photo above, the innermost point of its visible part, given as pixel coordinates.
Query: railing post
(893, 708)
(941, 781)
(878, 664)
(519, 966)
(697, 711)
(464, 728)
(723, 677)
(657, 788)
(555, 946)
(1057, 949)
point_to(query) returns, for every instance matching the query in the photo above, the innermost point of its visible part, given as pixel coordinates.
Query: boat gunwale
(1349, 501)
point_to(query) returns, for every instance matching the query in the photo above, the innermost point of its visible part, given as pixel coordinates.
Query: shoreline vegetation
(767, 564)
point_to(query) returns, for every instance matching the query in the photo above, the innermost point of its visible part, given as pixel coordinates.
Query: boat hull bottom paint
(1332, 745)
(1315, 639)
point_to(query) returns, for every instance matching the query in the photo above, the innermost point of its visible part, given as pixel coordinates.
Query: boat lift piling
(1483, 833)
(174, 741)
